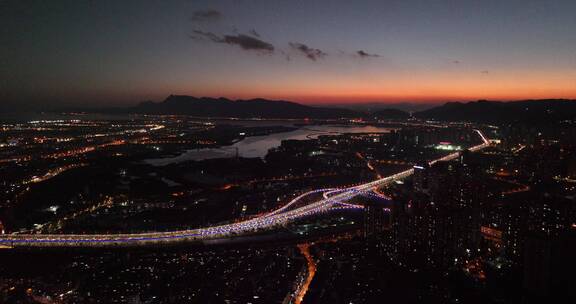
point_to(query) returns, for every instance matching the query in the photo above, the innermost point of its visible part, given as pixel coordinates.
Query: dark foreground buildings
(510, 235)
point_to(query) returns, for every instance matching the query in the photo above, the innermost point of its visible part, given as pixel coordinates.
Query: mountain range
(524, 111)
(527, 111)
(483, 111)
(223, 107)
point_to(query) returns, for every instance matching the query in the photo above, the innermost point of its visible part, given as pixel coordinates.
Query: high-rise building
(421, 178)
(376, 219)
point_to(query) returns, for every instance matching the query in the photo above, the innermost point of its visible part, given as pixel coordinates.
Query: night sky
(122, 52)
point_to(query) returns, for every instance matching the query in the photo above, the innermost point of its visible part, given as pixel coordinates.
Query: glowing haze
(122, 52)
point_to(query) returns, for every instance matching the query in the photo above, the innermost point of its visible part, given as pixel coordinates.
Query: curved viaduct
(283, 215)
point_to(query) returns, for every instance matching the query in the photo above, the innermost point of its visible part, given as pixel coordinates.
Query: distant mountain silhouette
(524, 111)
(223, 107)
(496, 112)
(391, 114)
(372, 107)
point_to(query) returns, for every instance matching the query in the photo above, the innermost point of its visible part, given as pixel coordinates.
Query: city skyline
(120, 53)
(294, 152)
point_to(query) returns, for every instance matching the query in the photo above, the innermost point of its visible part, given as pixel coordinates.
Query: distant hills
(524, 111)
(223, 107)
(372, 107)
(391, 114)
(496, 112)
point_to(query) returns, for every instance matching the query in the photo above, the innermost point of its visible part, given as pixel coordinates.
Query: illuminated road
(311, 271)
(333, 199)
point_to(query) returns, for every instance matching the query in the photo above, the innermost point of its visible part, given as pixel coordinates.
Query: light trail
(275, 218)
(305, 250)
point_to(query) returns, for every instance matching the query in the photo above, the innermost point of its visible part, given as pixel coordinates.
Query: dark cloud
(364, 54)
(310, 53)
(248, 42)
(244, 41)
(485, 72)
(206, 15)
(456, 62)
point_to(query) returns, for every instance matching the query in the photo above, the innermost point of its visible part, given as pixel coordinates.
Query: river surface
(258, 146)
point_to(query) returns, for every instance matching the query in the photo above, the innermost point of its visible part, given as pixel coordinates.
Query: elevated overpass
(333, 199)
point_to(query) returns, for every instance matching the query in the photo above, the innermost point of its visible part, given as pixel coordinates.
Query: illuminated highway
(333, 199)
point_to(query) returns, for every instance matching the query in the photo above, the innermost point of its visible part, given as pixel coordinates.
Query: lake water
(258, 146)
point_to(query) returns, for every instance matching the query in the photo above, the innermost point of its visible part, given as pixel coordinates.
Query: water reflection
(258, 146)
